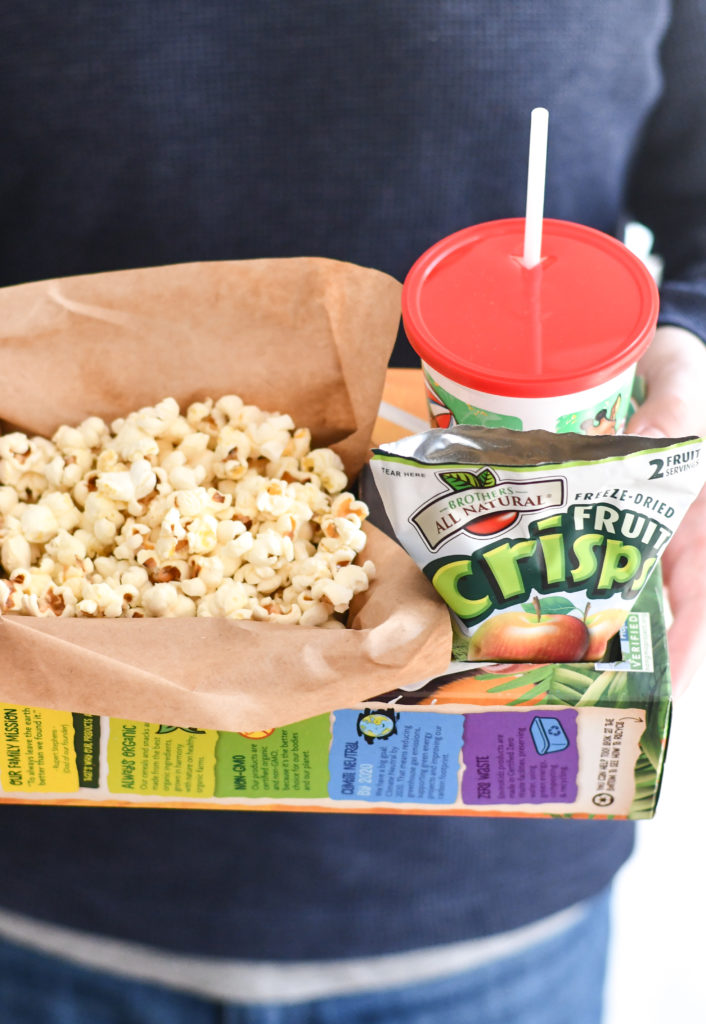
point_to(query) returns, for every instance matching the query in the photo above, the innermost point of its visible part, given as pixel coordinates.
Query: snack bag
(539, 543)
(286, 335)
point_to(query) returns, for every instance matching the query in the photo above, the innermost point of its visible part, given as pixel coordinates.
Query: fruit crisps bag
(539, 543)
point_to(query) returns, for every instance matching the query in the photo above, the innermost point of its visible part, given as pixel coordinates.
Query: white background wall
(658, 959)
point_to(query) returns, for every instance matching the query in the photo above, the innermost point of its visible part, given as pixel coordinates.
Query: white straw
(536, 172)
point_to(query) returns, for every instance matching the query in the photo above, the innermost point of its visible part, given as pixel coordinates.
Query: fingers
(666, 415)
(684, 566)
(674, 368)
(687, 645)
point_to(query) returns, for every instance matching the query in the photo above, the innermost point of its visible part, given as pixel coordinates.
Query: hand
(674, 368)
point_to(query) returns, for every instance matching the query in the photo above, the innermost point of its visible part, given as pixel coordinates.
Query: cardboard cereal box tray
(569, 740)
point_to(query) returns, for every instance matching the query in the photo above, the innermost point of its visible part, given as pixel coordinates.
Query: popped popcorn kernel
(38, 523)
(160, 599)
(9, 500)
(15, 553)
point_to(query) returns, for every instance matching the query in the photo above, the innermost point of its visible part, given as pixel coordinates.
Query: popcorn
(202, 535)
(10, 597)
(104, 531)
(31, 485)
(66, 548)
(184, 478)
(313, 613)
(130, 442)
(128, 486)
(18, 456)
(194, 587)
(268, 549)
(233, 445)
(8, 500)
(38, 523)
(209, 571)
(15, 553)
(63, 509)
(64, 472)
(326, 465)
(134, 578)
(160, 599)
(337, 594)
(107, 600)
(94, 432)
(222, 511)
(230, 405)
(69, 440)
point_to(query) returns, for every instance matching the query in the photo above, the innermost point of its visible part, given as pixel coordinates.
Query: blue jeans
(559, 981)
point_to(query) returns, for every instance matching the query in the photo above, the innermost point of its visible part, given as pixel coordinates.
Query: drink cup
(553, 347)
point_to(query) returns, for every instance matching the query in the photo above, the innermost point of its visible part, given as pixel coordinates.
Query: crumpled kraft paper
(306, 336)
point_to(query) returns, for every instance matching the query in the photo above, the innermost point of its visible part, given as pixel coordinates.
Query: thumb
(664, 413)
(674, 368)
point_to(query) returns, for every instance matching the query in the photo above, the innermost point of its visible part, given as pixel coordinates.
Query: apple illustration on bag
(601, 628)
(535, 634)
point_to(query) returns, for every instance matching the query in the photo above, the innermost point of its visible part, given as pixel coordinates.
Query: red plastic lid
(474, 313)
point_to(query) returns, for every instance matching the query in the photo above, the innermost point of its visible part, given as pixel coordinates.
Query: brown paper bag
(309, 337)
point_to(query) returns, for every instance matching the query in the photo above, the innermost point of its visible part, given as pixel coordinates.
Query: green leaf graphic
(173, 728)
(486, 479)
(551, 606)
(645, 798)
(568, 685)
(464, 480)
(534, 676)
(606, 690)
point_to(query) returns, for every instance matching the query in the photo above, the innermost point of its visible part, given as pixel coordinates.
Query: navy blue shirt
(145, 133)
